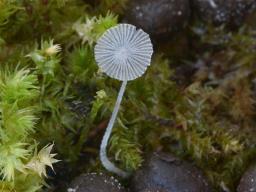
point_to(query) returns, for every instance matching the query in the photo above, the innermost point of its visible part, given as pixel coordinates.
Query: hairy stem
(103, 148)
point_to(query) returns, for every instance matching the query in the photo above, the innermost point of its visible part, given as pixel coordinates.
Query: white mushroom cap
(123, 52)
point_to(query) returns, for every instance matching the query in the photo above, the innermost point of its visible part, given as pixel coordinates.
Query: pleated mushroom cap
(123, 52)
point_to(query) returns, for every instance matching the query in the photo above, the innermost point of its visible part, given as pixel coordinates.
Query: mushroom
(123, 53)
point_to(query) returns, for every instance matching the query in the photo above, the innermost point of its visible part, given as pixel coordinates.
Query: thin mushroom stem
(103, 148)
(212, 3)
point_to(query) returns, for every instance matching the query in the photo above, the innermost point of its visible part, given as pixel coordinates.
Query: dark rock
(94, 182)
(158, 17)
(229, 12)
(166, 173)
(248, 180)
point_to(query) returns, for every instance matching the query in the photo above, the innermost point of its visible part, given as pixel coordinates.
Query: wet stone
(229, 12)
(93, 182)
(166, 173)
(248, 181)
(158, 18)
